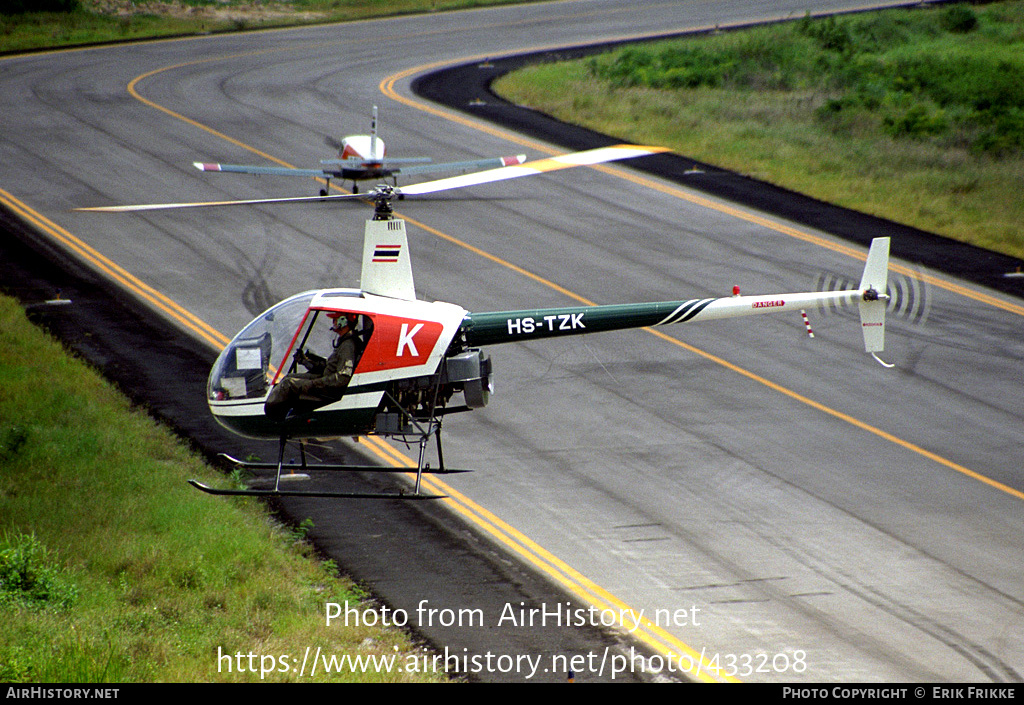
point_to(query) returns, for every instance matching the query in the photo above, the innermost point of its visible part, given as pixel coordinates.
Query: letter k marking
(405, 340)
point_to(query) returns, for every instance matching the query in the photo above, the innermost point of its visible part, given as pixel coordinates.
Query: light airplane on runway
(375, 360)
(364, 158)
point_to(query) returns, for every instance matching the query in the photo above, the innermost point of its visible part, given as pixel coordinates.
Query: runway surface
(782, 508)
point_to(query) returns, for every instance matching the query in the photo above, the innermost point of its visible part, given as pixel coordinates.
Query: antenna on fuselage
(373, 135)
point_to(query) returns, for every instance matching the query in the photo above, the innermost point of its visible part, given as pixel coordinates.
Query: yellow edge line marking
(840, 415)
(469, 509)
(652, 635)
(657, 638)
(133, 91)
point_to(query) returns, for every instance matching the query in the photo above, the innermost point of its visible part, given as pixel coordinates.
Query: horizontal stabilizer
(358, 162)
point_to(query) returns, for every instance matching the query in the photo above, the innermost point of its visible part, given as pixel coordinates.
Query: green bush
(11, 441)
(909, 74)
(916, 121)
(1005, 134)
(830, 34)
(29, 578)
(745, 61)
(959, 19)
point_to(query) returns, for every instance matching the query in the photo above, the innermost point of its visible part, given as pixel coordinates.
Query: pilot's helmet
(343, 320)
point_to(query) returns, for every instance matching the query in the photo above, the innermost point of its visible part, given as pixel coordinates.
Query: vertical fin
(373, 156)
(387, 268)
(874, 297)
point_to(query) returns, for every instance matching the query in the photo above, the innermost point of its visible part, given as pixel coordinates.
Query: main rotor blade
(205, 204)
(540, 166)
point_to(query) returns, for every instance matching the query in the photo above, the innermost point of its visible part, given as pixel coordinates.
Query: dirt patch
(222, 11)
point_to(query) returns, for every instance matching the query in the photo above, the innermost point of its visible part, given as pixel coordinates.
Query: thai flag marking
(386, 253)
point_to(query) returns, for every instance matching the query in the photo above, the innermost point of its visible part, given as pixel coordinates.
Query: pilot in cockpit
(325, 379)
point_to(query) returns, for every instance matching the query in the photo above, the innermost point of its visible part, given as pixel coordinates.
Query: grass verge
(113, 570)
(916, 115)
(83, 22)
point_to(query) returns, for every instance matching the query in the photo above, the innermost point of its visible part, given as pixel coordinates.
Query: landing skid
(292, 467)
(277, 492)
(287, 472)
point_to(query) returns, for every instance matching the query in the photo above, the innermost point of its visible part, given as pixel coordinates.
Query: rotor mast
(382, 196)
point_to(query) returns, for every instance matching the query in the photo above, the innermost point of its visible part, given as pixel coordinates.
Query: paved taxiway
(812, 515)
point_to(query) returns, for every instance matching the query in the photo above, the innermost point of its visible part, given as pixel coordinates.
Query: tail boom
(528, 324)
(511, 326)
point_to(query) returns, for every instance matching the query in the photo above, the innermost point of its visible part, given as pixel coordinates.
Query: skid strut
(288, 472)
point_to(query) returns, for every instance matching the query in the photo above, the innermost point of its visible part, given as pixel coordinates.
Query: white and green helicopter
(420, 361)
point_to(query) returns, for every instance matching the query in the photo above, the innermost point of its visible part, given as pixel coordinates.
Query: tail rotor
(907, 296)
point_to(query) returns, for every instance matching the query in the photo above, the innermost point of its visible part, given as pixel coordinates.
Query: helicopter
(420, 361)
(362, 158)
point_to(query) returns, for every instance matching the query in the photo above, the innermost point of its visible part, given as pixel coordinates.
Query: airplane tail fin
(874, 297)
(387, 267)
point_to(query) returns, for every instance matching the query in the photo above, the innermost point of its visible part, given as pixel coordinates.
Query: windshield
(248, 364)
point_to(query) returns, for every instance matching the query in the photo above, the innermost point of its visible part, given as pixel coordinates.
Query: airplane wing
(473, 165)
(271, 170)
(333, 167)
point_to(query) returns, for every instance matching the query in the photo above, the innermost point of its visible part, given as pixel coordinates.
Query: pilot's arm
(340, 366)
